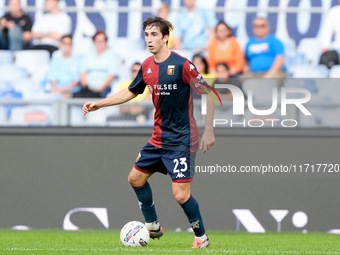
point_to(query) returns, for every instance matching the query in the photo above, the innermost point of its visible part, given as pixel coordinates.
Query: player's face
(154, 39)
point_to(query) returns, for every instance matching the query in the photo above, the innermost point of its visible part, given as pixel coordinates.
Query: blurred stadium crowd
(37, 60)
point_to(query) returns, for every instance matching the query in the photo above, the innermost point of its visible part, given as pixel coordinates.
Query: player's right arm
(136, 87)
(118, 98)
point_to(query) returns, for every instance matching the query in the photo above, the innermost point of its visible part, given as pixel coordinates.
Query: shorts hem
(183, 180)
(141, 170)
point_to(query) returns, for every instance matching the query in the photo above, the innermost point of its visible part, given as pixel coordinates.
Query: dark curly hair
(164, 26)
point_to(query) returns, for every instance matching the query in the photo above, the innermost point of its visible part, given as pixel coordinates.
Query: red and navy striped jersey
(171, 83)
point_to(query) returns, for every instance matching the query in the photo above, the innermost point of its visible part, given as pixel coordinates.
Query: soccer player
(172, 148)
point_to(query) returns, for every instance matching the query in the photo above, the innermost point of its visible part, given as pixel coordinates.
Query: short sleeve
(138, 85)
(28, 24)
(278, 47)
(194, 79)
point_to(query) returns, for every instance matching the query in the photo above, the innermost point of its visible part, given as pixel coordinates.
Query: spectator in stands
(163, 12)
(191, 27)
(135, 109)
(64, 73)
(124, 84)
(331, 27)
(202, 67)
(223, 76)
(264, 53)
(225, 49)
(15, 28)
(49, 28)
(98, 69)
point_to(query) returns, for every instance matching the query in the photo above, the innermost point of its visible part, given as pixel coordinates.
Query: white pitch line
(170, 251)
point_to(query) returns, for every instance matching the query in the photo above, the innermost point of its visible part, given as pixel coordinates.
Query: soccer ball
(134, 234)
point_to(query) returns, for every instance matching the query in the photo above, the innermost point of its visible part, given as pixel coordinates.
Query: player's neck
(191, 9)
(55, 11)
(162, 55)
(16, 14)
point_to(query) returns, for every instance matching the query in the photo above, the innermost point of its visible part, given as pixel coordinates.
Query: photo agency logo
(259, 116)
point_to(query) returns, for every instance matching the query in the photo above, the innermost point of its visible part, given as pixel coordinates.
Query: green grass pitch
(54, 241)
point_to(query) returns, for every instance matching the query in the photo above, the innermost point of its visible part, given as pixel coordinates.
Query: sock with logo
(191, 210)
(146, 203)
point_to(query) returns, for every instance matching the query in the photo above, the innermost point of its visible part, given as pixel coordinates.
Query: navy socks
(146, 204)
(191, 210)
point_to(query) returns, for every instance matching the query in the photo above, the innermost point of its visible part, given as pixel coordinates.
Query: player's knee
(135, 180)
(132, 180)
(181, 197)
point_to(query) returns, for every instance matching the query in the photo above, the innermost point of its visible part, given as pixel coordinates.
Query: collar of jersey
(158, 63)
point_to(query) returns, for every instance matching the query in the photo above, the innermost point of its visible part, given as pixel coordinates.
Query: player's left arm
(208, 138)
(195, 80)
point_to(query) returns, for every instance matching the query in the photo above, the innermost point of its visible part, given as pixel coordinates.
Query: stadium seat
(331, 118)
(322, 70)
(10, 94)
(335, 72)
(308, 84)
(11, 73)
(289, 47)
(311, 47)
(32, 60)
(307, 71)
(5, 85)
(291, 61)
(29, 88)
(6, 57)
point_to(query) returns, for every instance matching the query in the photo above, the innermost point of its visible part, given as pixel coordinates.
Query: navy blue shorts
(179, 164)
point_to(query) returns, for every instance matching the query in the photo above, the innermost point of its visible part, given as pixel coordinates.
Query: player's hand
(208, 140)
(90, 107)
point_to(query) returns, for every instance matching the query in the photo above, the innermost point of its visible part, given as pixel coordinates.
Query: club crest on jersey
(138, 157)
(171, 70)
